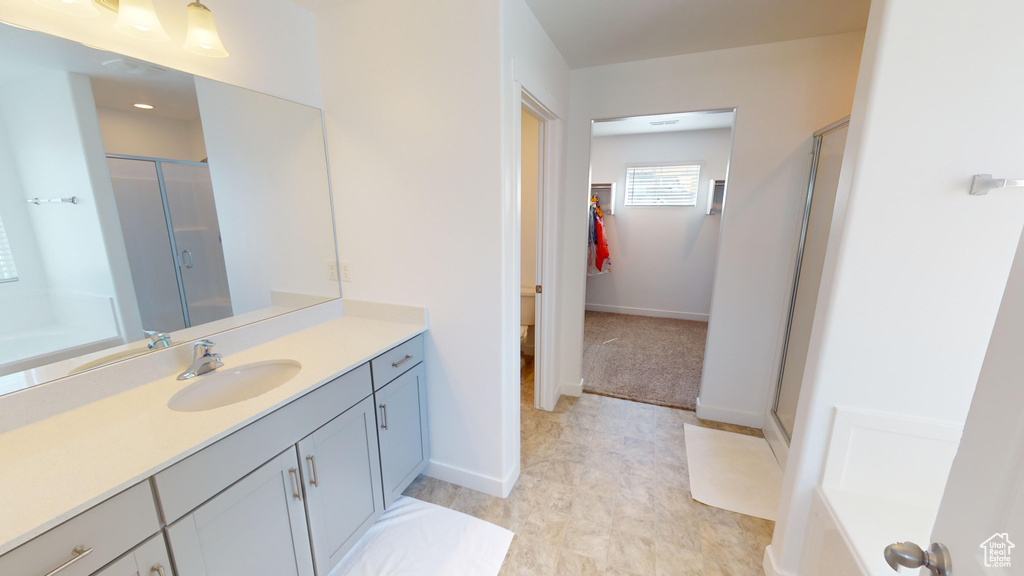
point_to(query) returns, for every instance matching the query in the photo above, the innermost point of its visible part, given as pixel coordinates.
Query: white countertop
(56, 468)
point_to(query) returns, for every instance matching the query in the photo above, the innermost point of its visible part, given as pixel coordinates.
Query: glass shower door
(140, 209)
(193, 214)
(830, 145)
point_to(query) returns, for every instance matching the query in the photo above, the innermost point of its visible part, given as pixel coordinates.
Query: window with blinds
(662, 185)
(8, 273)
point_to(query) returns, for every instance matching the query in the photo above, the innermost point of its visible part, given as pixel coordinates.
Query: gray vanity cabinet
(341, 477)
(257, 526)
(148, 559)
(402, 431)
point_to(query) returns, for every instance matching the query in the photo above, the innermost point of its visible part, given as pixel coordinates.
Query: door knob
(910, 555)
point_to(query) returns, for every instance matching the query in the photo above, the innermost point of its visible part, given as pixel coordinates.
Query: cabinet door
(341, 475)
(402, 430)
(256, 526)
(148, 559)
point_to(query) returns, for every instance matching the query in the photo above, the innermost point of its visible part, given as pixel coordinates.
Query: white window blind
(8, 273)
(662, 185)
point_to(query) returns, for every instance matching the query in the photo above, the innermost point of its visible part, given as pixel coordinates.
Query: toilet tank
(527, 314)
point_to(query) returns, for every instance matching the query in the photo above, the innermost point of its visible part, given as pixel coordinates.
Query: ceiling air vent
(133, 67)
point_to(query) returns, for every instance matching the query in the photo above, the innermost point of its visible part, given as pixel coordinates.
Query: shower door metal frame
(819, 136)
(159, 162)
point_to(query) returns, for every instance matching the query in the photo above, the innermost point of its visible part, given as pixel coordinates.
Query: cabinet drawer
(103, 532)
(396, 361)
(196, 479)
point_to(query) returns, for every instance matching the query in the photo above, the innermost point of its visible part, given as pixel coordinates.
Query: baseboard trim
(729, 416)
(571, 389)
(770, 567)
(648, 312)
(472, 480)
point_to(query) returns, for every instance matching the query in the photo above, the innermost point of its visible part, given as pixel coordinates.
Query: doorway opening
(530, 273)
(537, 157)
(658, 189)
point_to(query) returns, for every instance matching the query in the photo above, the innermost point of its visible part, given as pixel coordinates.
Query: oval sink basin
(227, 386)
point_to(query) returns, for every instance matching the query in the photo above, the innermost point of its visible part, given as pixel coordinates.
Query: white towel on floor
(422, 539)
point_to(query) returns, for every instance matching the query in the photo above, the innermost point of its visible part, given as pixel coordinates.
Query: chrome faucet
(202, 360)
(159, 339)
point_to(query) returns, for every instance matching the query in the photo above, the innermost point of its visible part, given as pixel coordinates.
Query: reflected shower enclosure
(172, 236)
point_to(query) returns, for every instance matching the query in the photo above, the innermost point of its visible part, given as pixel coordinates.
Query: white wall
(783, 93)
(139, 134)
(59, 154)
(663, 258)
(425, 212)
(24, 303)
(271, 188)
(271, 42)
(415, 140)
(916, 267)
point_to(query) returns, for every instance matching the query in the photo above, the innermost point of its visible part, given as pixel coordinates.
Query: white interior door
(981, 517)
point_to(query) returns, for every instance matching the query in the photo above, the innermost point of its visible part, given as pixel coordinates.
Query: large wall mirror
(142, 206)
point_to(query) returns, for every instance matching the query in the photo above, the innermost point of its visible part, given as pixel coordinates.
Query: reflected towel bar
(982, 184)
(38, 201)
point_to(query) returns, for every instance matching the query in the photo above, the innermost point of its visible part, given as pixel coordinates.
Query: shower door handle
(187, 254)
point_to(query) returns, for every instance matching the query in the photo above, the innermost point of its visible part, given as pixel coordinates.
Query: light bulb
(202, 35)
(74, 7)
(138, 19)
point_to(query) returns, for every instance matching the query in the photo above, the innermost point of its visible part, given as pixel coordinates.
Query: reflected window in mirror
(8, 271)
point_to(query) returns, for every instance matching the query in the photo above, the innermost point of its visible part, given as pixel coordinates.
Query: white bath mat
(422, 539)
(733, 471)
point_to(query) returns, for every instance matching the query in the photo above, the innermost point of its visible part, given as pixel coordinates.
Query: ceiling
(118, 82)
(664, 123)
(596, 32)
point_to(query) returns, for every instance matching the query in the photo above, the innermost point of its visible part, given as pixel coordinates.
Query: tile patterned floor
(604, 490)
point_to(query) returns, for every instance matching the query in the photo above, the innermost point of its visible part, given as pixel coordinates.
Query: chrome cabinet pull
(384, 417)
(314, 479)
(296, 485)
(402, 361)
(77, 554)
(158, 568)
(187, 253)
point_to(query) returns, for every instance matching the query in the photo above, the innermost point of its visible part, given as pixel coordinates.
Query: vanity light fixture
(202, 35)
(137, 18)
(73, 7)
(143, 106)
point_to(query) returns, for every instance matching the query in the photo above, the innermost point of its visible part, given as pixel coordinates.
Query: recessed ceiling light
(144, 106)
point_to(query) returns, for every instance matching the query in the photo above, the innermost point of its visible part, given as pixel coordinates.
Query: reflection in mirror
(198, 207)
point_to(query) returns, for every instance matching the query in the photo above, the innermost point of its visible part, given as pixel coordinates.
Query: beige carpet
(650, 360)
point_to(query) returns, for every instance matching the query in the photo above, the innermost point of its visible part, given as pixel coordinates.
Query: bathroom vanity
(282, 483)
